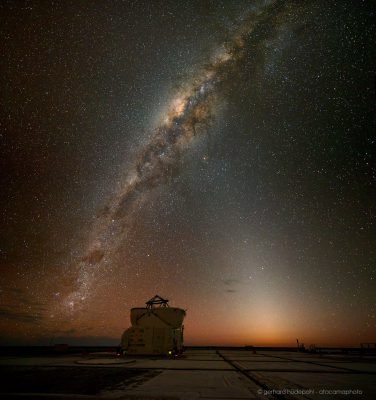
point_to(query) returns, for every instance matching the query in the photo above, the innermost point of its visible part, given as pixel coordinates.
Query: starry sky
(217, 153)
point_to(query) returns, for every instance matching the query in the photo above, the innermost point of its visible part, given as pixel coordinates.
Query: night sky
(217, 153)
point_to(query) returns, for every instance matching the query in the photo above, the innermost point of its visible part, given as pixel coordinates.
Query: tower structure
(157, 329)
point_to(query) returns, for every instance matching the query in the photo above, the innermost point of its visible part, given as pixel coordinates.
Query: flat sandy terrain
(198, 374)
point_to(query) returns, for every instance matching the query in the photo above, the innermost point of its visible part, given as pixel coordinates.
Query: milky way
(188, 115)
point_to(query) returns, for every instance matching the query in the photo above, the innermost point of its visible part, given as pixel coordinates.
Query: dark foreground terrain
(198, 374)
(68, 380)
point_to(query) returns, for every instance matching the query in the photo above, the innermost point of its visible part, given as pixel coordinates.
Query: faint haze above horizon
(217, 153)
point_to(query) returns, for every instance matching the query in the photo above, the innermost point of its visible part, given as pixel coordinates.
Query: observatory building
(157, 329)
